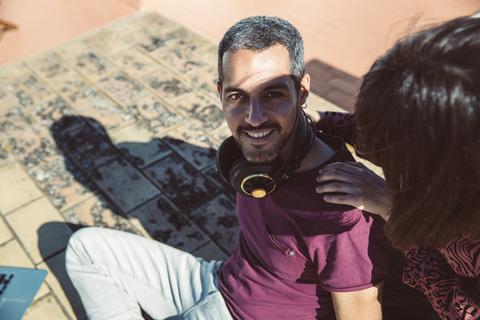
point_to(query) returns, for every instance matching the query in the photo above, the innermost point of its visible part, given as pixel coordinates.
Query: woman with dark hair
(418, 117)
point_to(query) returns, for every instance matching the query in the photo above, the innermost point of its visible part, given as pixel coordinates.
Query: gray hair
(259, 33)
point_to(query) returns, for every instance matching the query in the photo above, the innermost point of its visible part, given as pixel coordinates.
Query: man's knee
(79, 243)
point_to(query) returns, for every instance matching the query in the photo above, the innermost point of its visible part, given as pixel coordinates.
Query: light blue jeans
(116, 273)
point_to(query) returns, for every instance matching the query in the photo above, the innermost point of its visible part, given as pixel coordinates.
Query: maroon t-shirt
(294, 249)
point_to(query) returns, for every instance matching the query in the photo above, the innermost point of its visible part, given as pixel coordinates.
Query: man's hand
(359, 187)
(359, 305)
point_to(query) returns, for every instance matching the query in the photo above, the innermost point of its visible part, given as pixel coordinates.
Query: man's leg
(115, 272)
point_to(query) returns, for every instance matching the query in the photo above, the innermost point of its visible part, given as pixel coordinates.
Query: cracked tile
(218, 219)
(154, 114)
(121, 87)
(182, 184)
(123, 184)
(167, 86)
(139, 146)
(166, 224)
(194, 145)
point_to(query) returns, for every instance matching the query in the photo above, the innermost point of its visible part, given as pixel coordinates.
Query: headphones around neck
(258, 180)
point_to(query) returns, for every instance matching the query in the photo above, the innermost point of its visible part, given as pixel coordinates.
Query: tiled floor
(116, 129)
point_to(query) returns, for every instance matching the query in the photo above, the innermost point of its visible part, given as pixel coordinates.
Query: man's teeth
(258, 135)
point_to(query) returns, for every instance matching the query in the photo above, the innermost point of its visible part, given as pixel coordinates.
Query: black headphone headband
(259, 180)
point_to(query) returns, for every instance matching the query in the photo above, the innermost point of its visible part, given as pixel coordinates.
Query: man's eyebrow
(276, 86)
(233, 89)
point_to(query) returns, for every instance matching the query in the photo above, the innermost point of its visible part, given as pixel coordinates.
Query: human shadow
(166, 189)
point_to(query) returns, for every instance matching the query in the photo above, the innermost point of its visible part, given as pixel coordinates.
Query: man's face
(260, 102)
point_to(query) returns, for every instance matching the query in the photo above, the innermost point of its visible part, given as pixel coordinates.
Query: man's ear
(304, 88)
(219, 89)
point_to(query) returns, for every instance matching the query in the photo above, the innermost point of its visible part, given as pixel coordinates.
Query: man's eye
(274, 95)
(235, 96)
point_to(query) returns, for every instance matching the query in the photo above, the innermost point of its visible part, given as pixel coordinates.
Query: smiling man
(297, 256)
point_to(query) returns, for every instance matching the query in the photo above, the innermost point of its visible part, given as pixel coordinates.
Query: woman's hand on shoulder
(352, 183)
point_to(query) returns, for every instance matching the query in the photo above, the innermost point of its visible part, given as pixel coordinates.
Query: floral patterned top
(448, 276)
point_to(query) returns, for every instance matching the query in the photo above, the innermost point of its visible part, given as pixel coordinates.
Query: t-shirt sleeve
(356, 257)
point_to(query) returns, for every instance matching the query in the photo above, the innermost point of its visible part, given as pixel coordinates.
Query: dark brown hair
(418, 116)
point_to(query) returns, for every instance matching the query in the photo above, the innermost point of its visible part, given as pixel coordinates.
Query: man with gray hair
(297, 256)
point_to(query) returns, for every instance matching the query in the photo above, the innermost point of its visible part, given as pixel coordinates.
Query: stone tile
(62, 287)
(49, 112)
(49, 65)
(122, 87)
(148, 41)
(75, 88)
(193, 144)
(155, 22)
(134, 63)
(5, 233)
(210, 252)
(320, 104)
(139, 145)
(178, 61)
(63, 183)
(227, 189)
(13, 255)
(104, 114)
(15, 72)
(40, 228)
(70, 50)
(205, 79)
(208, 54)
(13, 116)
(80, 142)
(5, 151)
(167, 86)
(123, 28)
(93, 65)
(30, 91)
(182, 184)
(187, 40)
(33, 147)
(25, 191)
(46, 308)
(104, 42)
(123, 184)
(218, 219)
(95, 212)
(166, 224)
(204, 110)
(154, 114)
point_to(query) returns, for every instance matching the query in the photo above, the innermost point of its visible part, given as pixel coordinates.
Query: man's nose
(255, 114)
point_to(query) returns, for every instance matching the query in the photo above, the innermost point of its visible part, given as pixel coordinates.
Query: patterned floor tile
(122, 87)
(63, 183)
(33, 147)
(205, 79)
(167, 86)
(49, 65)
(104, 114)
(166, 224)
(30, 91)
(151, 112)
(49, 112)
(178, 61)
(139, 145)
(218, 219)
(134, 63)
(93, 65)
(182, 184)
(95, 212)
(126, 187)
(203, 109)
(104, 42)
(194, 145)
(155, 22)
(80, 142)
